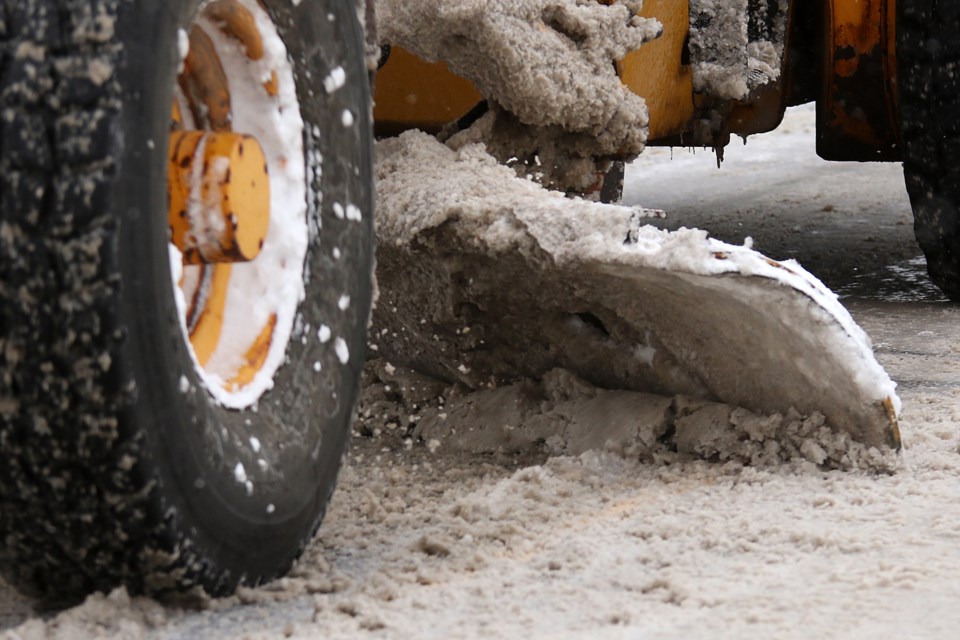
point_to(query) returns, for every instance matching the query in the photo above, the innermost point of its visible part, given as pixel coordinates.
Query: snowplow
(709, 76)
(187, 247)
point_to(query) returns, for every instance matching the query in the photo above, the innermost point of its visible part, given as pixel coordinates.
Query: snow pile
(563, 415)
(487, 279)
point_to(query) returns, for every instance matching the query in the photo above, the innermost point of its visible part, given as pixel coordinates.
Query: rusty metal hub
(219, 190)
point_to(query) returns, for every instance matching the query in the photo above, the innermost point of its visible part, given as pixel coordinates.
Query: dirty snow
(563, 415)
(731, 56)
(550, 282)
(546, 67)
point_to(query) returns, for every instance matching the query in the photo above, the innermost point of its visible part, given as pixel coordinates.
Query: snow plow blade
(487, 278)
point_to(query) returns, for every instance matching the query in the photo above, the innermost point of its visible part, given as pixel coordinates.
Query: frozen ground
(437, 545)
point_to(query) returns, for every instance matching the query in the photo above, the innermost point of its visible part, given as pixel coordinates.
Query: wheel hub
(219, 194)
(237, 199)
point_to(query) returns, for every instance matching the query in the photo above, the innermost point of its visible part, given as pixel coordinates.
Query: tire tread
(67, 502)
(928, 58)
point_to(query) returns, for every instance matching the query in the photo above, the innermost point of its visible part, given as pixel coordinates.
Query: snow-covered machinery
(187, 244)
(882, 74)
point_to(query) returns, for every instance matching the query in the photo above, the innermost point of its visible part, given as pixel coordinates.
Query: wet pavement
(849, 224)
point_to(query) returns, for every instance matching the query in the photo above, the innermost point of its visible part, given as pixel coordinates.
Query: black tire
(928, 75)
(111, 473)
(611, 192)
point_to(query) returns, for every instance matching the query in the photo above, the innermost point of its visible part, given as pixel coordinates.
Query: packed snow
(555, 101)
(552, 283)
